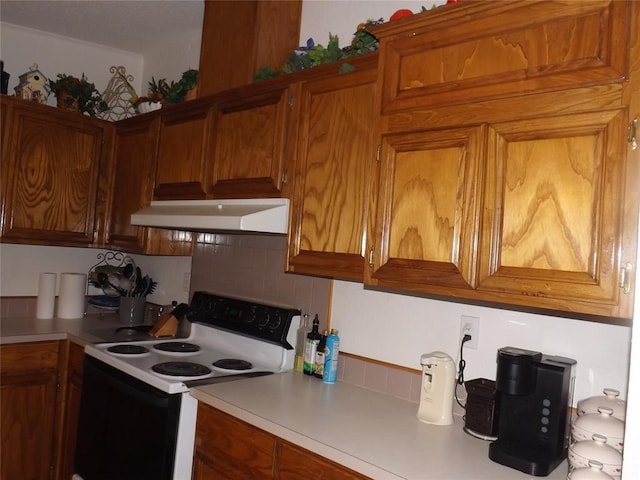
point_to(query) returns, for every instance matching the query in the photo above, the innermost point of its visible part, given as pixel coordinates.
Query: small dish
(105, 302)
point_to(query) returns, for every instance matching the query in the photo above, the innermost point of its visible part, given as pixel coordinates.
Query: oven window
(127, 429)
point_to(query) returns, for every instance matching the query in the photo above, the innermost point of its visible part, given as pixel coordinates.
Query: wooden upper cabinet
(504, 183)
(249, 142)
(53, 193)
(554, 201)
(135, 150)
(182, 167)
(265, 33)
(335, 160)
(480, 50)
(428, 208)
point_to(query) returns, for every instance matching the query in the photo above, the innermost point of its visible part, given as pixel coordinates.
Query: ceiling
(133, 25)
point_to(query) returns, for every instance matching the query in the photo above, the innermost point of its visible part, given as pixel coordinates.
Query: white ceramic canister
(591, 472)
(602, 423)
(597, 449)
(609, 399)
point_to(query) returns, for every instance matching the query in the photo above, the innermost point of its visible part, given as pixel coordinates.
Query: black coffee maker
(534, 397)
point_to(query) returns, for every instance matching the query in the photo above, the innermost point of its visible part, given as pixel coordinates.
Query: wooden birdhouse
(33, 85)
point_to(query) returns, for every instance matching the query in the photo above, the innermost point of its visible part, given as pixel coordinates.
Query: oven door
(127, 429)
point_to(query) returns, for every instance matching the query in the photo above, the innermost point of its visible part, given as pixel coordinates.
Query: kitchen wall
(22, 47)
(20, 266)
(398, 329)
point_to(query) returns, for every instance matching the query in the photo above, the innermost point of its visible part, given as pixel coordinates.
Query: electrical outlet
(186, 282)
(470, 326)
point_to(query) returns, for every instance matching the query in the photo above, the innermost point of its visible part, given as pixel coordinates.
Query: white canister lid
(602, 423)
(592, 472)
(597, 449)
(609, 399)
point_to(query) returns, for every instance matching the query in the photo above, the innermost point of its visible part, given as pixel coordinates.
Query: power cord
(461, 365)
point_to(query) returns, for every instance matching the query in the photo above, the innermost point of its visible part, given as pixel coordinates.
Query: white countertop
(29, 329)
(371, 433)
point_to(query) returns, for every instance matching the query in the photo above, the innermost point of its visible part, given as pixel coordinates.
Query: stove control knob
(275, 321)
(264, 320)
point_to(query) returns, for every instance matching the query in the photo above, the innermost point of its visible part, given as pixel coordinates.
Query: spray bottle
(330, 373)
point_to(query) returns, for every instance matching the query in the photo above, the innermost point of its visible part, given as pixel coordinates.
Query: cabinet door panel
(182, 170)
(232, 448)
(249, 144)
(71, 407)
(53, 169)
(553, 207)
(28, 406)
(335, 156)
(135, 151)
(426, 226)
(517, 47)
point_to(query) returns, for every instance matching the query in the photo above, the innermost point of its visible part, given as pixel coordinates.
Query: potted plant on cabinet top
(162, 92)
(77, 94)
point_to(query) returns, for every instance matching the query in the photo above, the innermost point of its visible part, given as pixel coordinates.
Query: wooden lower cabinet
(40, 385)
(28, 400)
(230, 449)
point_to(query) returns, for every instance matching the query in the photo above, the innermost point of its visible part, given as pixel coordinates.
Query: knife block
(167, 326)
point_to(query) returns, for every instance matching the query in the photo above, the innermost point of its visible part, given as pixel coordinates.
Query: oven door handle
(224, 379)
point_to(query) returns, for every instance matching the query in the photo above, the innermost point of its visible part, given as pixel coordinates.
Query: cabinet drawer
(479, 51)
(26, 357)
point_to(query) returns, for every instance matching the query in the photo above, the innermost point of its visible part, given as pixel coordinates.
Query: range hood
(259, 215)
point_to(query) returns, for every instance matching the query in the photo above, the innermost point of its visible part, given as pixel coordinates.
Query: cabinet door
(249, 143)
(554, 199)
(182, 169)
(230, 448)
(135, 151)
(71, 413)
(428, 211)
(28, 388)
(52, 173)
(296, 463)
(335, 161)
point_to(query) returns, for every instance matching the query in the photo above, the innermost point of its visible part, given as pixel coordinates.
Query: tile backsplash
(252, 266)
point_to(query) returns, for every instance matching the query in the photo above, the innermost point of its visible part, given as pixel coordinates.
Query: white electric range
(148, 383)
